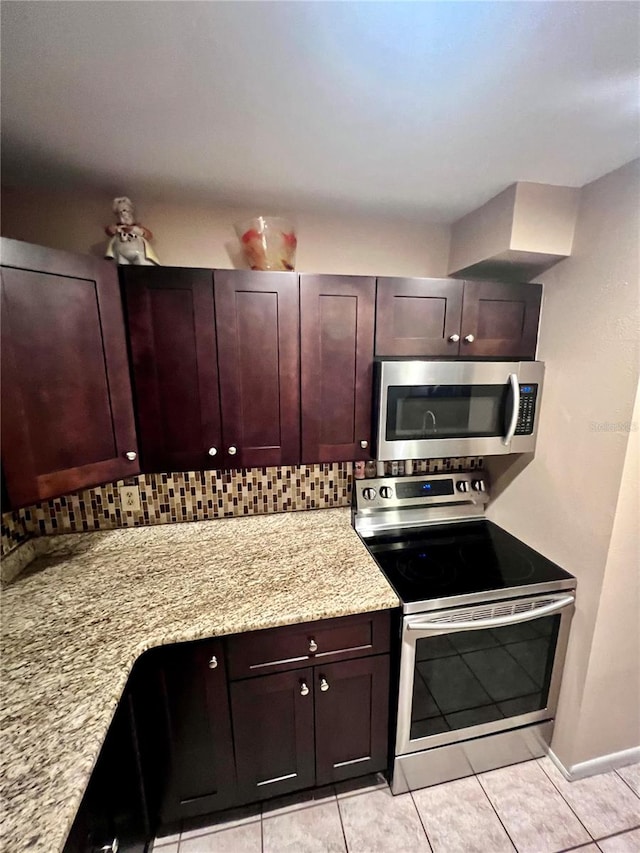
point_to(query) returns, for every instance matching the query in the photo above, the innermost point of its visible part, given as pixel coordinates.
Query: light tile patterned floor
(527, 807)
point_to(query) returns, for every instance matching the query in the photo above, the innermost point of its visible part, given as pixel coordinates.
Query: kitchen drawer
(308, 644)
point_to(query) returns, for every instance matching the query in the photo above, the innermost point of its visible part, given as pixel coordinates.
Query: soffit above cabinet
(517, 235)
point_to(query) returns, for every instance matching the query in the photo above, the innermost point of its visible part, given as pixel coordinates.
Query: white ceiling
(424, 109)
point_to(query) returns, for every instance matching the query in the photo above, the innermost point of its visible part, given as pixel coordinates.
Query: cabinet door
(336, 332)
(352, 718)
(67, 413)
(273, 733)
(418, 316)
(257, 322)
(201, 775)
(171, 322)
(502, 318)
(113, 810)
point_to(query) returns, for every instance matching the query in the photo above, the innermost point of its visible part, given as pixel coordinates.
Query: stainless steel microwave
(428, 409)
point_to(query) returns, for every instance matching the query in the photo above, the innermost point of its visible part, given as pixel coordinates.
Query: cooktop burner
(457, 559)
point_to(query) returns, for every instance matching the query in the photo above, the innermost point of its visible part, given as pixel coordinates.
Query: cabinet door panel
(273, 734)
(66, 395)
(417, 316)
(258, 331)
(503, 318)
(173, 347)
(352, 717)
(201, 777)
(337, 318)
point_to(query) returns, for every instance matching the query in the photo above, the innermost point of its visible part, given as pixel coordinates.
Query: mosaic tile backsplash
(196, 496)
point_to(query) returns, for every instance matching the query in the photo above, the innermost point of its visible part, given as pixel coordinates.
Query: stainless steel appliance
(428, 409)
(484, 631)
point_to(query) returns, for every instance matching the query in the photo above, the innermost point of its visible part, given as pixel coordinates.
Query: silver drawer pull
(304, 688)
(324, 684)
(212, 451)
(469, 339)
(131, 455)
(313, 646)
(454, 338)
(213, 663)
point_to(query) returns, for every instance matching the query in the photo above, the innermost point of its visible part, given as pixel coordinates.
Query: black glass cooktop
(458, 559)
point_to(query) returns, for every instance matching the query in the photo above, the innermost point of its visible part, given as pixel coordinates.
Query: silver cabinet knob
(313, 646)
(212, 451)
(469, 339)
(110, 848)
(324, 684)
(304, 688)
(213, 663)
(454, 338)
(364, 444)
(233, 450)
(131, 455)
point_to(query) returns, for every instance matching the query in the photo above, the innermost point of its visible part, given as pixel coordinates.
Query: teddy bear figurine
(129, 243)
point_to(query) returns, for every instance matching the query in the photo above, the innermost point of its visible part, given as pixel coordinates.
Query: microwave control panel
(527, 409)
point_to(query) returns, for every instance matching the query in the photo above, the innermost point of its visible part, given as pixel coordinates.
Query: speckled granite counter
(74, 623)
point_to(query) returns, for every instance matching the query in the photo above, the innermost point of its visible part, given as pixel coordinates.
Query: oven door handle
(497, 622)
(515, 396)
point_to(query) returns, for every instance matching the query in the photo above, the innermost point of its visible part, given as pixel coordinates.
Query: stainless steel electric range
(484, 631)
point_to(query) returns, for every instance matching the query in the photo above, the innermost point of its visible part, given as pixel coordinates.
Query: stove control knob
(386, 492)
(463, 486)
(368, 494)
(478, 485)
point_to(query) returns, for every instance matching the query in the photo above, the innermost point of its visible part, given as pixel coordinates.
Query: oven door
(480, 669)
(441, 409)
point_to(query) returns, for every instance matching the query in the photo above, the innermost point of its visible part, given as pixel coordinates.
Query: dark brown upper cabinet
(459, 319)
(258, 328)
(67, 414)
(170, 313)
(500, 319)
(336, 350)
(215, 359)
(418, 316)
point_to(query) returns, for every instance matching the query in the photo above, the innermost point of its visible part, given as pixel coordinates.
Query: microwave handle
(515, 400)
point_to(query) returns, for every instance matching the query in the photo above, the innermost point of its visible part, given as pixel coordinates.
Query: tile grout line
(633, 791)
(495, 811)
(565, 800)
(344, 834)
(616, 834)
(424, 828)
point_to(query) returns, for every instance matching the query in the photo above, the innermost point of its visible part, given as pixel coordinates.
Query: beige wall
(199, 235)
(564, 501)
(612, 687)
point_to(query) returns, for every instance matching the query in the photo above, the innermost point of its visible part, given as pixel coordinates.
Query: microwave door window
(445, 411)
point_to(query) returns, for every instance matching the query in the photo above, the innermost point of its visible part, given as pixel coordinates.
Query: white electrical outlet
(130, 498)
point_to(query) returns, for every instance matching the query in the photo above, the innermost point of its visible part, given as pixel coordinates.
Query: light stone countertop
(77, 619)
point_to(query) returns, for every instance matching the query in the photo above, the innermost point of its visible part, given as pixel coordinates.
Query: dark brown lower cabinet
(351, 718)
(273, 733)
(311, 726)
(186, 741)
(114, 813)
(200, 774)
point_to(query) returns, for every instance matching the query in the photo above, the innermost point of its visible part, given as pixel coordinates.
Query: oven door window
(468, 678)
(417, 412)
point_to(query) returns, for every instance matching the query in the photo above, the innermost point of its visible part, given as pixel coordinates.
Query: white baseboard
(596, 765)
